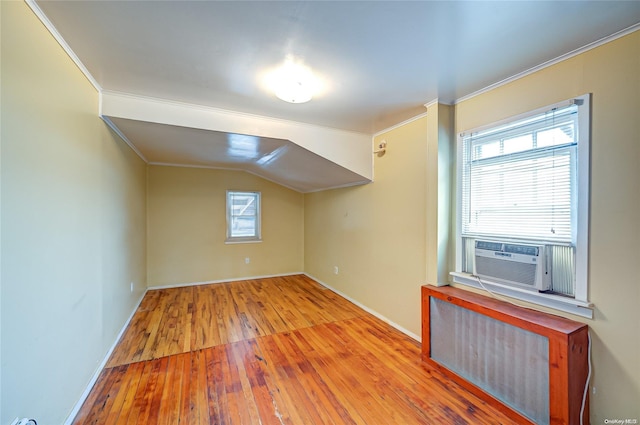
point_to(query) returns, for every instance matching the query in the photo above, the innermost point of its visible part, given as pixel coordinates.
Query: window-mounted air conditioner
(518, 265)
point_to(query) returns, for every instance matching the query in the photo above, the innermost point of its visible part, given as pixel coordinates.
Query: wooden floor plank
(270, 351)
(295, 406)
(138, 401)
(169, 411)
(100, 398)
(241, 354)
(341, 373)
(147, 399)
(121, 394)
(326, 399)
(133, 377)
(186, 406)
(253, 360)
(215, 358)
(200, 392)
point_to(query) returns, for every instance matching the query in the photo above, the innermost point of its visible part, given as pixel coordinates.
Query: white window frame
(257, 236)
(580, 304)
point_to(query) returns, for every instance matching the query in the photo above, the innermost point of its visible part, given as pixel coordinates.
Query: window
(243, 216)
(522, 183)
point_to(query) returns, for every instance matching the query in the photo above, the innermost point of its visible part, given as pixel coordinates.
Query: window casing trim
(580, 303)
(257, 237)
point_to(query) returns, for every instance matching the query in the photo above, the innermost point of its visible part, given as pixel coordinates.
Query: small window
(526, 181)
(243, 216)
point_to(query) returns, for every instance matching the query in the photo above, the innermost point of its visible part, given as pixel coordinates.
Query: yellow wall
(73, 225)
(187, 227)
(612, 74)
(375, 234)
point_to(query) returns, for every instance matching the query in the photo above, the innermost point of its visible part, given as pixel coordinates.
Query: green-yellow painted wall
(612, 74)
(187, 227)
(375, 234)
(73, 215)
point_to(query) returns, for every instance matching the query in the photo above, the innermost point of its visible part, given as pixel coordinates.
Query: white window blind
(519, 179)
(243, 216)
(525, 180)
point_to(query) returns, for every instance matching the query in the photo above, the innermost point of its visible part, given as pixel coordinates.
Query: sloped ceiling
(277, 160)
(380, 63)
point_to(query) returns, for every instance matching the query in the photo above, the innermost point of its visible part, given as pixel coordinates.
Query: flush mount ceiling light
(293, 82)
(294, 91)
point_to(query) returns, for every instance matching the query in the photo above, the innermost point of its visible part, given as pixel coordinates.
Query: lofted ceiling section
(177, 134)
(277, 160)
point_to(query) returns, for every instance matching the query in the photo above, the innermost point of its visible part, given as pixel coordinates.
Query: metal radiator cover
(509, 363)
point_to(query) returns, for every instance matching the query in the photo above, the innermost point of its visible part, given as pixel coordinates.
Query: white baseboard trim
(94, 378)
(368, 310)
(209, 282)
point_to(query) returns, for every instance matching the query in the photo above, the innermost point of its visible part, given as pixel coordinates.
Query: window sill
(236, 241)
(556, 302)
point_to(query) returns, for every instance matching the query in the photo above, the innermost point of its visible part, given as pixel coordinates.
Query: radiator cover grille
(508, 362)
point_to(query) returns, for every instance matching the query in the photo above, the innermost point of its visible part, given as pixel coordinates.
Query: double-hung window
(243, 216)
(523, 187)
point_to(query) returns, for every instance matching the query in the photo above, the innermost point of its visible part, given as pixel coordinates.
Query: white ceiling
(381, 60)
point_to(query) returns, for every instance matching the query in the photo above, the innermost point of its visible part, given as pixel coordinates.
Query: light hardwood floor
(271, 351)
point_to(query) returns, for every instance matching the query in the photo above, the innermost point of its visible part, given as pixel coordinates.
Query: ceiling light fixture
(294, 91)
(293, 82)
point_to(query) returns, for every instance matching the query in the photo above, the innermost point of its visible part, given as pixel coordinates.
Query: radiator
(531, 365)
(507, 362)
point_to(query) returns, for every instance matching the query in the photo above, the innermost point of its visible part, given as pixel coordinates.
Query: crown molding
(400, 124)
(431, 103)
(54, 32)
(552, 62)
(116, 130)
(407, 121)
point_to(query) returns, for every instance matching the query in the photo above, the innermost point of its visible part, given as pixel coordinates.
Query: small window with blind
(523, 202)
(243, 217)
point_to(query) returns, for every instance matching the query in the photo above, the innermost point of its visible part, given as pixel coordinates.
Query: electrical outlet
(335, 270)
(131, 286)
(247, 260)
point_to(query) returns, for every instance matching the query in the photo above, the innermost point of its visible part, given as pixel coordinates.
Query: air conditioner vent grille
(522, 249)
(490, 246)
(506, 270)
